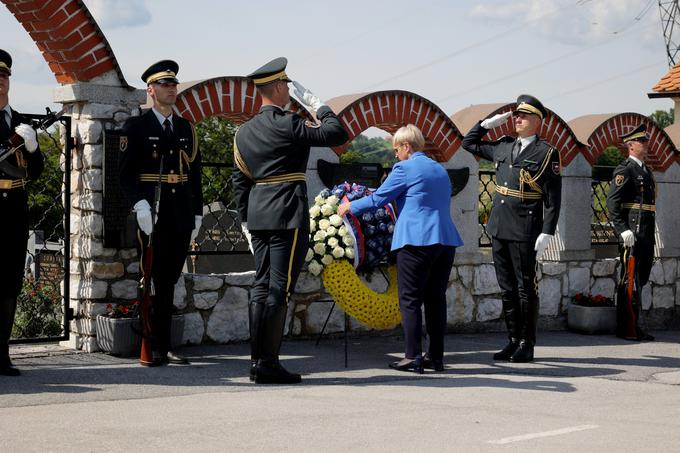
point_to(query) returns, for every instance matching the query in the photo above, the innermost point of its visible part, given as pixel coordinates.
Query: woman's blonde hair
(409, 134)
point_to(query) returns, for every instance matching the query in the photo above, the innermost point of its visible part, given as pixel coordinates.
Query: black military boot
(508, 350)
(255, 312)
(269, 370)
(7, 309)
(524, 353)
(512, 323)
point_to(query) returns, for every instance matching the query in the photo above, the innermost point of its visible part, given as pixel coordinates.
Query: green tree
(369, 150)
(216, 138)
(663, 118)
(610, 157)
(46, 208)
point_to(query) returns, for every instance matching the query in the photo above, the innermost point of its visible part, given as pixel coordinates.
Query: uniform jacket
(143, 142)
(272, 144)
(422, 190)
(630, 185)
(513, 218)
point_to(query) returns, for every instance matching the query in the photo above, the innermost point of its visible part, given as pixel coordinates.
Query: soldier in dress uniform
(270, 156)
(25, 164)
(524, 216)
(159, 144)
(631, 206)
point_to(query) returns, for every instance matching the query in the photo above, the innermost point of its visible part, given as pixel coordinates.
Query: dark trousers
(279, 255)
(515, 264)
(170, 250)
(644, 258)
(422, 278)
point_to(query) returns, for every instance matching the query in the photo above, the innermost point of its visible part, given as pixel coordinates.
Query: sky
(578, 56)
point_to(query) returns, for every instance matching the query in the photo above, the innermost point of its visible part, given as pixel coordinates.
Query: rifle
(14, 142)
(145, 307)
(631, 276)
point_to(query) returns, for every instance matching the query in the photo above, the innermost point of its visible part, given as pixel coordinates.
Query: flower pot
(119, 336)
(591, 319)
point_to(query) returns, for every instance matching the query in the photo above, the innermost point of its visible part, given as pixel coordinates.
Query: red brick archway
(234, 98)
(68, 37)
(554, 130)
(662, 151)
(389, 110)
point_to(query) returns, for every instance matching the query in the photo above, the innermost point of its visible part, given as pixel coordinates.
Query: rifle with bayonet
(630, 277)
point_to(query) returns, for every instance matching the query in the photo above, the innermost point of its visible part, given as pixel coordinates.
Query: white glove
(143, 211)
(541, 244)
(30, 137)
(194, 232)
(307, 97)
(628, 238)
(496, 120)
(246, 233)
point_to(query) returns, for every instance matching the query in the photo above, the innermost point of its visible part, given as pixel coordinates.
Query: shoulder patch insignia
(619, 180)
(123, 142)
(312, 124)
(556, 168)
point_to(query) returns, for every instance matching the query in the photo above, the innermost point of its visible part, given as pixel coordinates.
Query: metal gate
(43, 310)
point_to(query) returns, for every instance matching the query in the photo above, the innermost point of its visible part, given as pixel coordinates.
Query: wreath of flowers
(332, 246)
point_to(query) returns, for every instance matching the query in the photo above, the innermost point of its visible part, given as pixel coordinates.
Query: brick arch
(390, 110)
(554, 130)
(662, 151)
(234, 98)
(68, 37)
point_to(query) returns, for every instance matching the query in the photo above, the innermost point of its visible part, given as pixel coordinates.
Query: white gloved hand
(246, 233)
(143, 211)
(30, 137)
(496, 120)
(541, 244)
(307, 97)
(628, 238)
(198, 221)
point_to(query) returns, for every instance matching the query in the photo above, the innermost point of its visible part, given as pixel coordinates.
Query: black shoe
(175, 359)
(524, 354)
(253, 370)
(431, 364)
(415, 365)
(507, 351)
(274, 373)
(7, 369)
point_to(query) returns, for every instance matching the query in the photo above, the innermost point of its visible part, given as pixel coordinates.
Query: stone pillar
(98, 275)
(668, 216)
(572, 239)
(465, 205)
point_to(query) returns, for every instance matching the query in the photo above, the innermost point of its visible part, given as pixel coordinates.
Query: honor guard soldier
(523, 218)
(631, 206)
(270, 156)
(25, 164)
(161, 145)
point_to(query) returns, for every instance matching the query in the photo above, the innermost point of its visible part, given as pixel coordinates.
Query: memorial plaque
(332, 174)
(119, 223)
(49, 265)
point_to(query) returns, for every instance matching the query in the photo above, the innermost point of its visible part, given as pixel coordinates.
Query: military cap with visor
(5, 62)
(165, 71)
(273, 71)
(639, 134)
(529, 104)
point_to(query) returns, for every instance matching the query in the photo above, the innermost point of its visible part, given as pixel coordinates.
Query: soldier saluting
(631, 206)
(524, 216)
(270, 160)
(159, 144)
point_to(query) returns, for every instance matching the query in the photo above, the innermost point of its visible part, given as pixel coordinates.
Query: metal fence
(487, 188)
(43, 310)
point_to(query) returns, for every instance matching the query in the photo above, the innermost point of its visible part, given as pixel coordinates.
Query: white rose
(327, 259)
(331, 230)
(324, 224)
(312, 225)
(338, 252)
(319, 235)
(327, 209)
(319, 248)
(314, 211)
(314, 268)
(310, 255)
(333, 201)
(348, 240)
(332, 243)
(336, 220)
(319, 200)
(342, 231)
(349, 252)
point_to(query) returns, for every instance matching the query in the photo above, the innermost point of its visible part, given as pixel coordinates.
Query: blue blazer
(422, 190)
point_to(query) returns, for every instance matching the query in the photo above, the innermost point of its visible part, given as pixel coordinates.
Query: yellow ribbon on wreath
(376, 310)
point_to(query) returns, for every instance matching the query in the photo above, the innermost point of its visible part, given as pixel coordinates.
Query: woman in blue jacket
(425, 240)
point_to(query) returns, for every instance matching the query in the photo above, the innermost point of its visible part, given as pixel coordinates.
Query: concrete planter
(119, 336)
(591, 319)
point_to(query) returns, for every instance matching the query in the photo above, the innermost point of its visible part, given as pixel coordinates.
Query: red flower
(109, 307)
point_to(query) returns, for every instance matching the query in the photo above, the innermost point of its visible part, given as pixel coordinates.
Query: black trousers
(422, 278)
(644, 258)
(170, 250)
(279, 255)
(515, 264)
